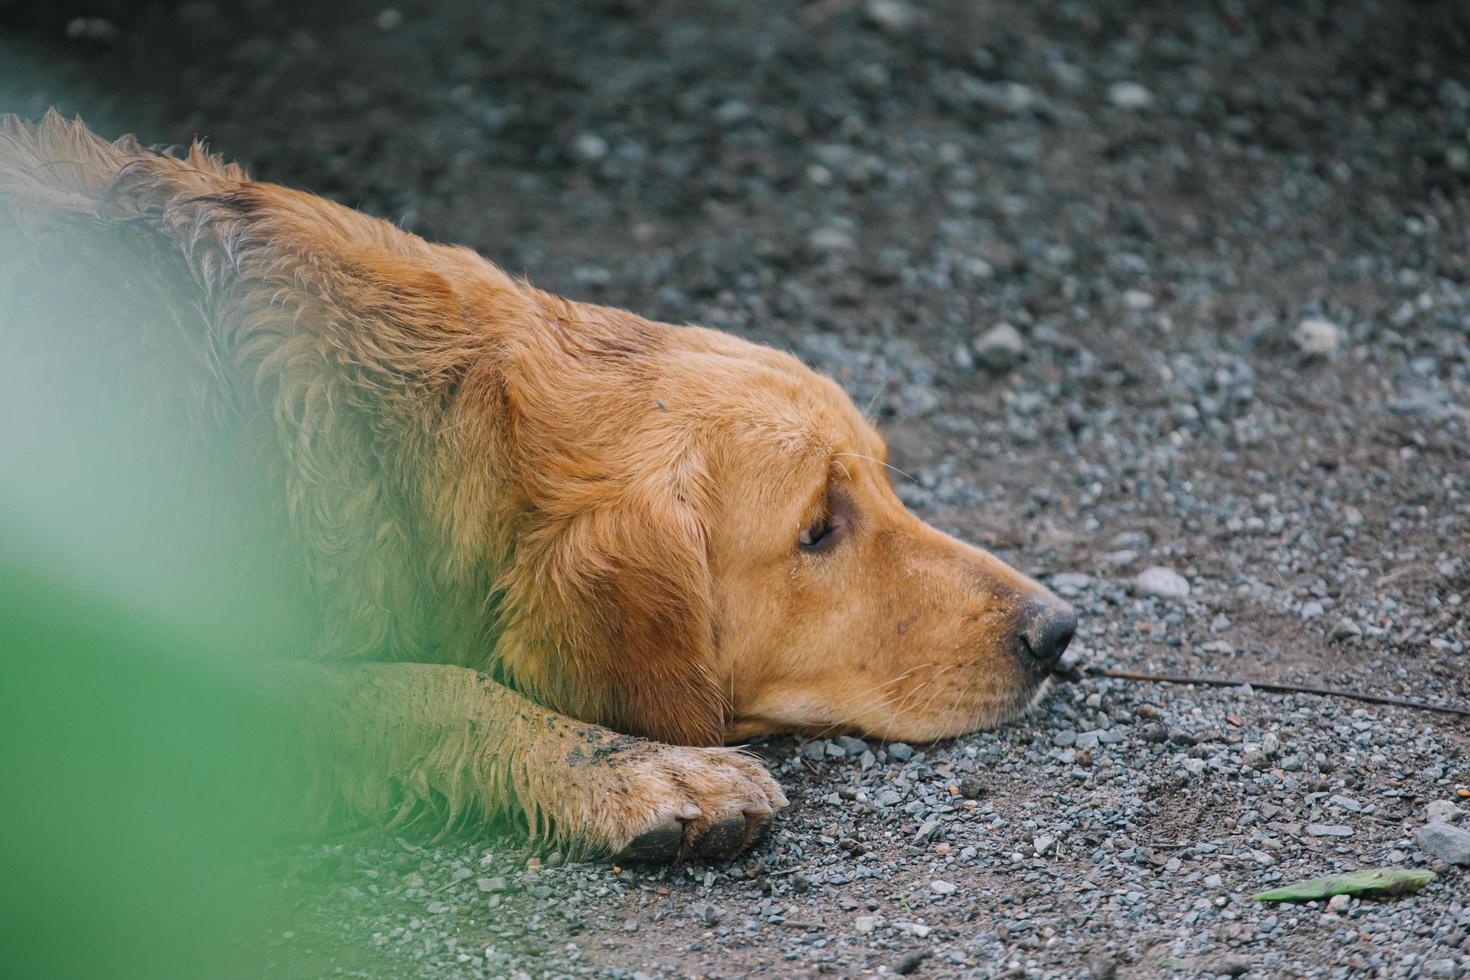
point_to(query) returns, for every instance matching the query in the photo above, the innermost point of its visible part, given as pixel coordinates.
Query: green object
(1377, 882)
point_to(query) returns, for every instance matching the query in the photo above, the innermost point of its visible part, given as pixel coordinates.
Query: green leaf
(1369, 881)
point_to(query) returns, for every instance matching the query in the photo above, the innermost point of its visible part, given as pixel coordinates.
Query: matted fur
(526, 524)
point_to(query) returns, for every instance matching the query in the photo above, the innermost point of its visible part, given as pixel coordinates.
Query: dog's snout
(1046, 628)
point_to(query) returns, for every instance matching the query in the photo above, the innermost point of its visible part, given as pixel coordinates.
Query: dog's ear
(608, 617)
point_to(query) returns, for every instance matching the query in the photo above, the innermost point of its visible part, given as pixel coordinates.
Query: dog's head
(714, 551)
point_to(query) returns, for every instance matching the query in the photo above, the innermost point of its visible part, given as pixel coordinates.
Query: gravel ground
(1132, 286)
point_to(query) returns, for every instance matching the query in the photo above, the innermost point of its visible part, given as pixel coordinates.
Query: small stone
(910, 962)
(1328, 830)
(1346, 629)
(491, 885)
(888, 797)
(814, 751)
(92, 29)
(1193, 766)
(1162, 582)
(940, 887)
(1213, 881)
(733, 112)
(1339, 903)
(1137, 299)
(1064, 738)
(1444, 843)
(1443, 811)
(1130, 95)
(1000, 347)
(1317, 337)
(893, 16)
(589, 147)
(901, 751)
(831, 240)
(854, 746)
(865, 924)
(1070, 583)
(1232, 966)
(1312, 609)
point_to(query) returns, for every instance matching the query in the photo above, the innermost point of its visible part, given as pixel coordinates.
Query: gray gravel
(1228, 244)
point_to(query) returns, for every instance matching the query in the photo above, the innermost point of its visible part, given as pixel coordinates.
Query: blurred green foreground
(143, 761)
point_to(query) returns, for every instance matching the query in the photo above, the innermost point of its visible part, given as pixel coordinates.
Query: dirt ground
(1232, 244)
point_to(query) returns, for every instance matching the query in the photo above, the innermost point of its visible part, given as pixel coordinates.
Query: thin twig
(1330, 692)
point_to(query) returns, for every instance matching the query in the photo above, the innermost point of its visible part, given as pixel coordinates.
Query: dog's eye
(814, 534)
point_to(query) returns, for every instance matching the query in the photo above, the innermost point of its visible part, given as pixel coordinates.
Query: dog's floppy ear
(609, 617)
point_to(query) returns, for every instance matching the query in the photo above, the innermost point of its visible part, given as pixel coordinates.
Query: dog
(556, 557)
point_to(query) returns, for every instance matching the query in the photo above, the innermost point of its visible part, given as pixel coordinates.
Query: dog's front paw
(695, 803)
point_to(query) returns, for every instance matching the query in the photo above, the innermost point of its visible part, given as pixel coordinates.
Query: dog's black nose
(1047, 626)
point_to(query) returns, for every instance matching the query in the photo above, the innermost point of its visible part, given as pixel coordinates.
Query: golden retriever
(560, 554)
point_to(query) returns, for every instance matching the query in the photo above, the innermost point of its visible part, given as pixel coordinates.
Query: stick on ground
(1331, 692)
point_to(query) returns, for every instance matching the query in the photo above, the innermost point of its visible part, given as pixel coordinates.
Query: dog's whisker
(880, 462)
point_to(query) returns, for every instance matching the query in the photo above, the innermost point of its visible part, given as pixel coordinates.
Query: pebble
(1328, 830)
(1000, 347)
(1164, 583)
(1130, 95)
(1443, 811)
(1445, 843)
(893, 16)
(828, 240)
(1138, 300)
(910, 962)
(1317, 337)
(1070, 583)
(589, 146)
(941, 887)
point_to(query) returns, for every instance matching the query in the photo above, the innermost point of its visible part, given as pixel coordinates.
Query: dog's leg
(399, 740)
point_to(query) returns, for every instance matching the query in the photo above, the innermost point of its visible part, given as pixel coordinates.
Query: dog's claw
(659, 845)
(723, 840)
